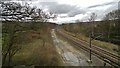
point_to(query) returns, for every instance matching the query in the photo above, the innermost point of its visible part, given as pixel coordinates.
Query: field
(36, 46)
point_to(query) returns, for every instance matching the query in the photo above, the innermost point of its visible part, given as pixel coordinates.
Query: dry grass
(34, 53)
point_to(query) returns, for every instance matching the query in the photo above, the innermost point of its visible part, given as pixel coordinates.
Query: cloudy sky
(71, 10)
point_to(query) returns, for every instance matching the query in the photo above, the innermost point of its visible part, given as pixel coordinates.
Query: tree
(112, 15)
(92, 19)
(8, 47)
(13, 12)
(110, 19)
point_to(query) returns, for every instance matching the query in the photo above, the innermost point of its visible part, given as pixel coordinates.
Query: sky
(72, 10)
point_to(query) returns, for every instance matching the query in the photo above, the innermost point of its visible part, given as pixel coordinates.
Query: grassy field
(36, 47)
(35, 53)
(39, 51)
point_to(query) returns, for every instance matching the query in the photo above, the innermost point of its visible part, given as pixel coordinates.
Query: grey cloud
(113, 7)
(101, 14)
(62, 8)
(119, 5)
(57, 8)
(104, 4)
(77, 11)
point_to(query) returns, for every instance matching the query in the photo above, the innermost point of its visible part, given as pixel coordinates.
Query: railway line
(101, 53)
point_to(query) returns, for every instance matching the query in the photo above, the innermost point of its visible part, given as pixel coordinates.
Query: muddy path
(69, 55)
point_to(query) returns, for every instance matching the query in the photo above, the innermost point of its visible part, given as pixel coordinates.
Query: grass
(105, 45)
(32, 51)
(35, 53)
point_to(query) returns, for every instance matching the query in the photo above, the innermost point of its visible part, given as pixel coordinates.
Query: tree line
(106, 30)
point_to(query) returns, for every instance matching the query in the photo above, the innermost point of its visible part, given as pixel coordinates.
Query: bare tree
(9, 49)
(13, 12)
(114, 15)
(92, 20)
(10, 12)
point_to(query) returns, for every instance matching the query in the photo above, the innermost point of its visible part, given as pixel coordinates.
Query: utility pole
(90, 60)
(90, 46)
(91, 35)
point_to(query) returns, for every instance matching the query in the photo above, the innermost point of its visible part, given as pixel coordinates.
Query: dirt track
(69, 55)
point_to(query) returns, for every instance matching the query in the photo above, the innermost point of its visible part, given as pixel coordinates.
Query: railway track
(103, 54)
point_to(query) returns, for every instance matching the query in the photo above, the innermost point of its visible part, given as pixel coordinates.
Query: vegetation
(38, 49)
(105, 45)
(26, 37)
(28, 44)
(107, 30)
